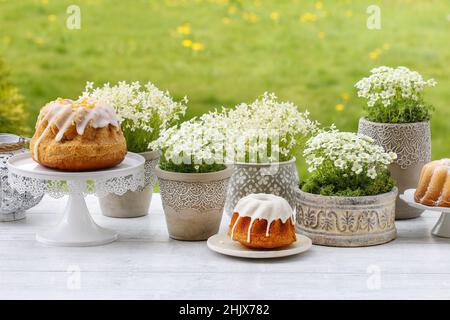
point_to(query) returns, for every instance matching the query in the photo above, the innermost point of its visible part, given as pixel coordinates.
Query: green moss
(344, 185)
(191, 168)
(404, 111)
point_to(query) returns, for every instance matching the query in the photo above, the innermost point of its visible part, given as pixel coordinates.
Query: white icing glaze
(262, 206)
(65, 112)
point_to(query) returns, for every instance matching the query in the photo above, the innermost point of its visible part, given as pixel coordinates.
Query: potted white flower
(397, 118)
(262, 138)
(193, 178)
(349, 198)
(143, 111)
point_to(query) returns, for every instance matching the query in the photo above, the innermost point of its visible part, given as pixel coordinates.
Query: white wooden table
(145, 264)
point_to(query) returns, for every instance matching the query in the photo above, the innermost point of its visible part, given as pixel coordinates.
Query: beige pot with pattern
(346, 221)
(193, 203)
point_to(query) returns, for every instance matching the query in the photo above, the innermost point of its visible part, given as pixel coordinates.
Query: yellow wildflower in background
(319, 5)
(187, 43)
(226, 20)
(308, 17)
(197, 46)
(250, 16)
(44, 2)
(345, 96)
(39, 40)
(184, 29)
(386, 46)
(373, 55)
(349, 13)
(340, 107)
(321, 35)
(275, 15)
(232, 10)
(51, 18)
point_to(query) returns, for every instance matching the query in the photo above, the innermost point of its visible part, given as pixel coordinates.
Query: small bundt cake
(262, 221)
(78, 136)
(434, 184)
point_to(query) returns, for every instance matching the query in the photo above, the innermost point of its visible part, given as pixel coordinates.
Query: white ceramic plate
(408, 197)
(223, 244)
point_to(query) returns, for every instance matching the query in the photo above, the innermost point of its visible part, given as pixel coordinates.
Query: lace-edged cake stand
(442, 227)
(76, 228)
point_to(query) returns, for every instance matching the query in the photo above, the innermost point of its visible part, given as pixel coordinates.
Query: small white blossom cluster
(193, 142)
(387, 85)
(139, 107)
(352, 153)
(266, 130)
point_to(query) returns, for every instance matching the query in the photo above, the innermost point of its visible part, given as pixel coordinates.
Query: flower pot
(193, 202)
(412, 143)
(133, 204)
(347, 221)
(280, 179)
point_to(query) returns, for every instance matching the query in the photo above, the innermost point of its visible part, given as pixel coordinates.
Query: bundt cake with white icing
(78, 136)
(434, 184)
(262, 221)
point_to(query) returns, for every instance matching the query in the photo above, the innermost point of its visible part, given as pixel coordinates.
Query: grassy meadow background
(222, 52)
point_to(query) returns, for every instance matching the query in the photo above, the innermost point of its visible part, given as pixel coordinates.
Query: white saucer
(223, 244)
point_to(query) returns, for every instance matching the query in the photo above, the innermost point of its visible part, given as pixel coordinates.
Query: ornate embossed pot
(12, 203)
(412, 144)
(347, 221)
(193, 202)
(133, 204)
(280, 179)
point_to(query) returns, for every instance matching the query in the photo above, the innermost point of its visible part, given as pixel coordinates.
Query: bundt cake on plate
(262, 221)
(434, 184)
(78, 136)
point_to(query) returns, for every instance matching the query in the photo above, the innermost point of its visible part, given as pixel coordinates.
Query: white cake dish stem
(76, 228)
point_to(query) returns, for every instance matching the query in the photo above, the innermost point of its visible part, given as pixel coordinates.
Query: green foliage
(12, 105)
(403, 111)
(190, 168)
(343, 184)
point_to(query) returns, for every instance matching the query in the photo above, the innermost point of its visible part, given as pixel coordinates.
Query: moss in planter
(191, 168)
(342, 185)
(403, 111)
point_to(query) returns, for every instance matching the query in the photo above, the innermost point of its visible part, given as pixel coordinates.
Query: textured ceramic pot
(133, 204)
(412, 144)
(280, 179)
(193, 202)
(347, 221)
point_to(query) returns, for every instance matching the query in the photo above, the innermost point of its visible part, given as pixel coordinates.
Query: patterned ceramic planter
(193, 202)
(12, 203)
(133, 204)
(347, 221)
(412, 143)
(280, 179)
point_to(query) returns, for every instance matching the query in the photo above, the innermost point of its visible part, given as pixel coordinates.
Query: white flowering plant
(346, 164)
(395, 95)
(194, 146)
(265, 131)
(143, 111)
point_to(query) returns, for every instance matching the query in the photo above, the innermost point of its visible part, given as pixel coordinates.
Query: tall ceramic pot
(133, 204)
(193, 202)
(347, 221)
(412, 143)
(280, 179)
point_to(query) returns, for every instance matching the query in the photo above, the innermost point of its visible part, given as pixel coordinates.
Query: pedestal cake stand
(442, 227)
(76, 228)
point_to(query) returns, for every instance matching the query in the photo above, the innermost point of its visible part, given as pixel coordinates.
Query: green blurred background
(223, 52)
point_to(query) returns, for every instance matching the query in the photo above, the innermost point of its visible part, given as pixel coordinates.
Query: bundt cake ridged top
(262, 206)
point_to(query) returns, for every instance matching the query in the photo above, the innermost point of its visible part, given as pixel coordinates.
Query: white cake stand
(442, 227)
(76, 228)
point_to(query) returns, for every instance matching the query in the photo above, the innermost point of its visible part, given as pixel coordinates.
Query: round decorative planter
(347, 221)
(193, 202)
(412, 144)
(280, 179)
(133, 204)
